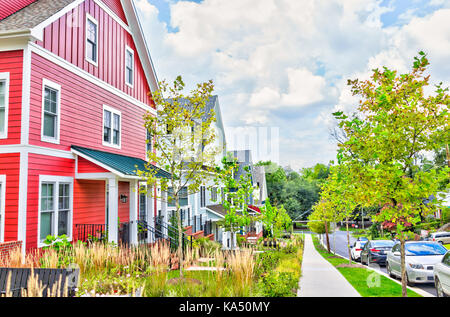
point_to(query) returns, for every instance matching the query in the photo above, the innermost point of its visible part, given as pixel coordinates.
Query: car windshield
(362, 243)
(418, 249)
(383, 243)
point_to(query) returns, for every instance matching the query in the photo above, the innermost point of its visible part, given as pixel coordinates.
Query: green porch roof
(125, 165)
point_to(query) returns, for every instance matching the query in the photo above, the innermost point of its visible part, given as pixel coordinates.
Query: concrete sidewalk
(320, 278)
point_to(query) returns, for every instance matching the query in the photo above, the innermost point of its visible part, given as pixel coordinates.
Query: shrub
(278, 284)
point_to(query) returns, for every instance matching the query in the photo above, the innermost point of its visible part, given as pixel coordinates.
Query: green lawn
(367, 282)
(447, 246)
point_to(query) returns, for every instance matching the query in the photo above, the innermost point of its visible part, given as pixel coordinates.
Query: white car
(356, 249)
(441, 237)
(420, 259)
(442, 276)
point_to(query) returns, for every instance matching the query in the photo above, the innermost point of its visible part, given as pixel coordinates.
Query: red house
(75, 82)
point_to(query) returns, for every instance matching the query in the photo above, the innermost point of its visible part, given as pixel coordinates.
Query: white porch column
(150, 212)
(164, 210)
(113, 210)
(134, 199)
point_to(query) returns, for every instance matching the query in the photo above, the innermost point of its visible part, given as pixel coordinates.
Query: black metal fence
(90, 232)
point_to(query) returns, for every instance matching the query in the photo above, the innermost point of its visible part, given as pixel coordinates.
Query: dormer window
(91, 40)
(129, 66)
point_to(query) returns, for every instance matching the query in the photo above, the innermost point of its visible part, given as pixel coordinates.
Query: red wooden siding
(41, 165)
(8, 7)
(12, 62)
(89, 202)
(116, 7)
(82, 112)
(66, 38)
(84, 166)
(124, 208)
(10, 166)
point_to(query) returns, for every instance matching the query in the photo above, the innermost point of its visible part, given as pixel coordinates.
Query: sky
(280, 67)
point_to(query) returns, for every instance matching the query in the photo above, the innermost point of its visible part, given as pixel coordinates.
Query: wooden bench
(49, 279)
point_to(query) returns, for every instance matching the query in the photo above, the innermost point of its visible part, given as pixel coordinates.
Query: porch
(108, 204)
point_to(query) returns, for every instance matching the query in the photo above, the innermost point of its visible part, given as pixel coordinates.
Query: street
(338, 244)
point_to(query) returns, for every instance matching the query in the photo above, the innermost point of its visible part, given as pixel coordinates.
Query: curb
(415, 289)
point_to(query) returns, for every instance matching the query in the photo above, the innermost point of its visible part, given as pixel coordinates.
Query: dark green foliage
(297, 192)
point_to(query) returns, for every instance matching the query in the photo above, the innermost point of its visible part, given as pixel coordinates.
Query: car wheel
(439, 290)
(408, 282)
(388, 269)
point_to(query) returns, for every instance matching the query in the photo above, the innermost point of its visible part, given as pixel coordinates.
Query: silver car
(441, 237)
(420, 259)
(442, 276)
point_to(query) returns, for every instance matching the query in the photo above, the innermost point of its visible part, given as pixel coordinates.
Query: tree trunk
(403, 267)
(348, 244)
(180, 236)
(328, 238)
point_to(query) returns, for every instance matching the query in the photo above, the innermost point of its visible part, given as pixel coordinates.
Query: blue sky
(284, 64)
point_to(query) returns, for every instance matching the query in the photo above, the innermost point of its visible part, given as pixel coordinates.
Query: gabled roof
(8, 7)
(28, 18)
(27, 14)
(118, 164)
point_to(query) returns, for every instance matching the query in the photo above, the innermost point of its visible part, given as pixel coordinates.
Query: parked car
(442, 276)
(420, 259)
(441, 237)
(356, 249)
(375, 251)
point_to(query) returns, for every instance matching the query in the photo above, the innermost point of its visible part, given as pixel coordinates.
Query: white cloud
(286, 63)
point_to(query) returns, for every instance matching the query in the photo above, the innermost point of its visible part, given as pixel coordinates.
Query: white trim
(85, 75)
(113, 15)
(23, 196)
(56, 180)
(38, 31)
(93, 20)
(34, 149)
(2, 207)
(57, 87)
(6, 78)
(130, 50)
(94, 175)
(26, 91)
(113, 112)
(137, 32)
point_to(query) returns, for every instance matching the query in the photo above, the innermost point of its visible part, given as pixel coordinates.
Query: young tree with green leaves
(275, 219)
(237, 193)
(397, 122)
(183, 144)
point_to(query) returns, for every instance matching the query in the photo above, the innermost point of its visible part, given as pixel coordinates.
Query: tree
(183, 143)
(274, 219)
(323, 212)
(396, 122)
(237, 193)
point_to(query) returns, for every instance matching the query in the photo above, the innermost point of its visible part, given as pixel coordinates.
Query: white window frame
(93, 20)
(57, 87)
(113, 112)
(5, 77)
(129, 49)
(56, 180)
(2, 207)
